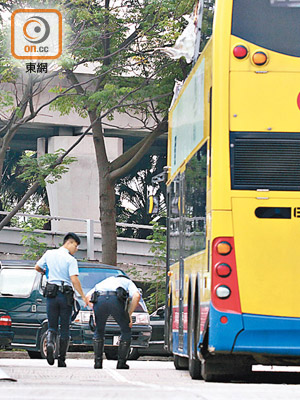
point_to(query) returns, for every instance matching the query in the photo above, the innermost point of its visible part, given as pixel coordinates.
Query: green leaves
(6, 100)
(34, 247)
(44, 168)
(69, 102)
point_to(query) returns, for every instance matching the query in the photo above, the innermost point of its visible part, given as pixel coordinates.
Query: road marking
(5, 377)
(116, 376)
(120, 378)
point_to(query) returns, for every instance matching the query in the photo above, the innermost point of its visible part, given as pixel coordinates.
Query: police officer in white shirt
(61, 270)
(110, 298)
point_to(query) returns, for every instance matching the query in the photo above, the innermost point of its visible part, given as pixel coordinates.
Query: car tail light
(5, 320)
(225, 291)
(240, 52)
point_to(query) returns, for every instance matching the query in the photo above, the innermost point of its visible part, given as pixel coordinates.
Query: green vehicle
(21, 296)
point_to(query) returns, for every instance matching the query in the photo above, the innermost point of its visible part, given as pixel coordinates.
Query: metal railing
(90, 231)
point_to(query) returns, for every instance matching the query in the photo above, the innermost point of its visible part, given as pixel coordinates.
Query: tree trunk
(106, 197)
(2, 158)
(108, 221)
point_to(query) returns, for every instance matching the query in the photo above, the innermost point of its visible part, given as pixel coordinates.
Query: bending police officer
(110, 297)
(61, 270)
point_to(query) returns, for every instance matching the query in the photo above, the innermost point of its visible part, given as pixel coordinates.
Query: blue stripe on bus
(175, 343)
(249, 333)
(269, 335)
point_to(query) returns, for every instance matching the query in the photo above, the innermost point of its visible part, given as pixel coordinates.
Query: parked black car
(21, 296)
(157, 341)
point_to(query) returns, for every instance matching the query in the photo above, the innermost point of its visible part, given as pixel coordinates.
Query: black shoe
(98, 350)
(63, 348)
(122, 365)
(61, 363)
(123, 352)
(98, 364)
(51, 337)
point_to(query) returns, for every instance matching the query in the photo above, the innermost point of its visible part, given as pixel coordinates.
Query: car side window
(17, 281)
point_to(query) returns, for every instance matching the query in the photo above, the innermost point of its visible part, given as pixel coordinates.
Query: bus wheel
(194, 362)
(170, 329)
(181, 363)
(221, 369)
(213, 372)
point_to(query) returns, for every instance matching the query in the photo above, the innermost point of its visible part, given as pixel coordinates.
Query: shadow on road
(273, 377)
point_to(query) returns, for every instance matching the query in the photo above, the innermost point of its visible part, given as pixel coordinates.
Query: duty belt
(106, 293)
(64, 288)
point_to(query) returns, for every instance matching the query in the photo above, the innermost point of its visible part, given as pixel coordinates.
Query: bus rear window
(272, 24)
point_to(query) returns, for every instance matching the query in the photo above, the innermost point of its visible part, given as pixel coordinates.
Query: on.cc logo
(36, 29)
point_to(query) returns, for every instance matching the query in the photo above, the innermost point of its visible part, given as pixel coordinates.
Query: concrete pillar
(90, 239)
(76, 195)
(41, 146)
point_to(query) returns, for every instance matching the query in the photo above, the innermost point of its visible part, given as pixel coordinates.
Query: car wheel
(34, 355)
(111, 353)
(43, 346)
(134, 353)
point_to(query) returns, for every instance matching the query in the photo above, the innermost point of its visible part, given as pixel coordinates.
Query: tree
(129, 77)
(132, 196)
(13, 187)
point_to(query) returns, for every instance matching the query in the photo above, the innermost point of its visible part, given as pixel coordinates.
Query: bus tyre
(223, 369)
(194, 362)
(195, 368)
(211, 373)
(170, 330)
(181, 363)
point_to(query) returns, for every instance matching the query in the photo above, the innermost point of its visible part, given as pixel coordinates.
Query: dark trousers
(58, 311)
(110, 305)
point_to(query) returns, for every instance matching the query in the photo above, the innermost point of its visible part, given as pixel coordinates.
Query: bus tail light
(223, 248)
(225, 291)
(259, 58)
(240, 52)
(223, 270)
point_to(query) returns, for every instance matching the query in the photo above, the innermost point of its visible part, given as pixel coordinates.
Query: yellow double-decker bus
(234, 196)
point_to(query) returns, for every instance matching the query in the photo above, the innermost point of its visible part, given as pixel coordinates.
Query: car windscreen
(272, 24)
(16, 281)
(89, 277)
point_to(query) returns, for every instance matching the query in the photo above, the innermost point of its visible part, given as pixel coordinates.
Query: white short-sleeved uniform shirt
(58, 265)
(113, 282)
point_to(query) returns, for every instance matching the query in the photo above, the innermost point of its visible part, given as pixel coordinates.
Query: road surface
(145, 380)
